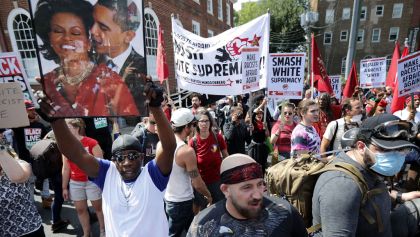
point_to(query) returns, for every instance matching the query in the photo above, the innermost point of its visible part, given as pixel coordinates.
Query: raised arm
(71, 148)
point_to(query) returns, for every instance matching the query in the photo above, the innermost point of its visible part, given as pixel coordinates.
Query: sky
(238, 4)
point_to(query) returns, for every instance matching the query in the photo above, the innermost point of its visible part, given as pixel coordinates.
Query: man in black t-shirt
(246, 212)
(148, 139)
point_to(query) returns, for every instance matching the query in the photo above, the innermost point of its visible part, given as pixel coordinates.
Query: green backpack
(295, 179)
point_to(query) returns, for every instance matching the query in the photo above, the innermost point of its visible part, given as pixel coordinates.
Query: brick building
(381, 24)
(203, 17)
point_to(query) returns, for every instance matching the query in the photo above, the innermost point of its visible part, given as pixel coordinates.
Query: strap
(331, 146)
(195, 144)
(215, 138)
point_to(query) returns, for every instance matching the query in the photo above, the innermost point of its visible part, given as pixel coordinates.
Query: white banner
(214, 65)
(373, 72)
(250, 69)
(286, 75)
(409, 74)
(336, 85)
(12, 70)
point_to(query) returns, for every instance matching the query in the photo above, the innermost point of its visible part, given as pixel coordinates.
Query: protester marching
(263, 144)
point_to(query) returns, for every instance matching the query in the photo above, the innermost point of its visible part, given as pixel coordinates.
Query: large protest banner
(12, 70)
(250, 69)
(373, 72)
(92, 65)
(286, 75)
(409, 74)
(335, 82)
(214, 65)
(12, 107)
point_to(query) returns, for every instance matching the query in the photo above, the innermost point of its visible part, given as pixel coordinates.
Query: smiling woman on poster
(77, 87)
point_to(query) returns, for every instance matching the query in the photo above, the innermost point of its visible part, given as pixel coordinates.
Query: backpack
(47, 159)
(295, 179)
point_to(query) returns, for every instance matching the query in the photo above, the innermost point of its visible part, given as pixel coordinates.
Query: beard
(247, 212)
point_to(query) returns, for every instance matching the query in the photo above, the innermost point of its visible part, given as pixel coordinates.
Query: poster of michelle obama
(92, 60)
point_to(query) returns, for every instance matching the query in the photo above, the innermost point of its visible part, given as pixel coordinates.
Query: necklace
(74, 80)
(127, 191)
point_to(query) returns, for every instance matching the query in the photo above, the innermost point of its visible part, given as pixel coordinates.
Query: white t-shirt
(329, 132)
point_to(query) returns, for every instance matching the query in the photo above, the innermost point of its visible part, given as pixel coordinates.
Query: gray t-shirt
(336, 203)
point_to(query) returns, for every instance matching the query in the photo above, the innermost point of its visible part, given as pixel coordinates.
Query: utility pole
(353, 36)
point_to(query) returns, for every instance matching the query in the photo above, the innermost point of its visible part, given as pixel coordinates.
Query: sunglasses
(287, 113)
(119, 157)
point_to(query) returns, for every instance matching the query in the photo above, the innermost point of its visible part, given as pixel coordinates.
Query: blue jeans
(180, 216)
(58, 197)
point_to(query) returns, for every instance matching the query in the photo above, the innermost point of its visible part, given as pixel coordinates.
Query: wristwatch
(398, 199)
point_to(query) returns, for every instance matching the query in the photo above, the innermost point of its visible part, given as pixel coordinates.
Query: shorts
(80, 191)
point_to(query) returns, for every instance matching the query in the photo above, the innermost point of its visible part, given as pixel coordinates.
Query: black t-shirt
(26, 137)
(98, 129)
(278, 218)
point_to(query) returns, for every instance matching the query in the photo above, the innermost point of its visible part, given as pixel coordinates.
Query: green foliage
(286, 33)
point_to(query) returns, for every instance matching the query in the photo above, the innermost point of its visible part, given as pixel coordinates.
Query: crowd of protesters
(207, 163)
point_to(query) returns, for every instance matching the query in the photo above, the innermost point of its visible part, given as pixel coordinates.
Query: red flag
(351, 82)
(319, 72)
(392, 72)
(162, 69)
(398, 102)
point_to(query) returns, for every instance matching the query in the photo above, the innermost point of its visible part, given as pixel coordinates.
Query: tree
(286, 34)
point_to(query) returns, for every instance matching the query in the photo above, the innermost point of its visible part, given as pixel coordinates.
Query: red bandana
(242, 173)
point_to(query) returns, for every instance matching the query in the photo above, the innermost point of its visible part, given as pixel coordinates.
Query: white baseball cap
(182, 117)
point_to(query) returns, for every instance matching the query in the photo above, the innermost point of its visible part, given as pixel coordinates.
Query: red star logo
(229, 82)
(255, 41)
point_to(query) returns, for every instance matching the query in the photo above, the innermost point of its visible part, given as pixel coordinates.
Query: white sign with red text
(409, 74)
(373, 72)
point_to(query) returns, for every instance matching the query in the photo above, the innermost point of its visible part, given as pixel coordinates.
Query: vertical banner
(12, 107)
(214, 65)
(336, 85)
(250, 69)
(286, 75)
(409, 74)
(373, 72)
(12, 70)
(92, 56)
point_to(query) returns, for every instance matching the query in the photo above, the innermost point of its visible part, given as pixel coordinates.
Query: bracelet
(398, 199)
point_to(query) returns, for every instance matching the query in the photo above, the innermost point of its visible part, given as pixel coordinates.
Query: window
(196, 27)
(343, 35)
(228, 13)
(197, 1)
(343, 65)
(368, 57)
(327, 37)
(363, 13)
(329, 16)
(22, 39)
(388, 61)
(376, 35)
(220, 9)
(393, 33)
(397, 10)
(151, 23)
(346, 13)
(210, 6)
(210, 33)
(379, 10)
(360, 36)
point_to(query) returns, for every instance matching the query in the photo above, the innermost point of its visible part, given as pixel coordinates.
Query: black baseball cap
(126, 142)
(388, 132)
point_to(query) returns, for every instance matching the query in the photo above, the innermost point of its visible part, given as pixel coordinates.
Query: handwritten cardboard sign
(12, 107)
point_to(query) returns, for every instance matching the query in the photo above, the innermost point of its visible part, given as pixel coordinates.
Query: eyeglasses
(119, 157)
(394, 129)
(152, 122)
(204, 121)
(287, 113)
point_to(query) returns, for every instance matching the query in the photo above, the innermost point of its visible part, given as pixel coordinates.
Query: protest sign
(286, 75)
(12, 107)
(409, 74)
(373, 72)
(214, 65)
(250, 69)
(110, 85)
(12, 70)
(336, 85)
